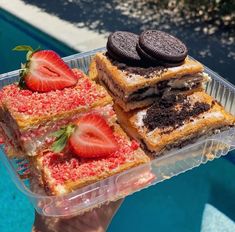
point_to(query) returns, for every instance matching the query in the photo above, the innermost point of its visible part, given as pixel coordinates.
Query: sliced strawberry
(92, 137)
(45, 71)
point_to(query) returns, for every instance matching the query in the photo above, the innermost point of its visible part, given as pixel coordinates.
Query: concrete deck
(81, 39)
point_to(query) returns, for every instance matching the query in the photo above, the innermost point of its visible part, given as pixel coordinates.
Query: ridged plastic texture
(135, 179)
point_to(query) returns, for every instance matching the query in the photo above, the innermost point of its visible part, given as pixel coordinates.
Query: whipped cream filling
(39, 130)
(187, 82)
(32, 144)
(139, 118)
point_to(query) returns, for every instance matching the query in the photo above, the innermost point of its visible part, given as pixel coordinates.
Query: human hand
(96, 220)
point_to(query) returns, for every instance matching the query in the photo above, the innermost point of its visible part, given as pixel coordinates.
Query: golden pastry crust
(129, 85)
(138, 157)
(156, 141)
(25, 120)
(93, 72)
(32, 121)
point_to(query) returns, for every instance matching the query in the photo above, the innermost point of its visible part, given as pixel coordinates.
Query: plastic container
(132, 180)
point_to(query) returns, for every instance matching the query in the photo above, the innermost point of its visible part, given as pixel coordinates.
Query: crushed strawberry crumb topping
(28, 103)
(68, 167)
(135, 145)
(1, 136)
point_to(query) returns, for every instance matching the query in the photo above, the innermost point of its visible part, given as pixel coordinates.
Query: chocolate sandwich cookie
(152, 61)
(121, 45)
(113, 56)
(145, 55)
(163, 47)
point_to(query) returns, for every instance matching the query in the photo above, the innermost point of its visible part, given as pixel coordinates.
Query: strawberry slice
(45, 71)
(92, 137)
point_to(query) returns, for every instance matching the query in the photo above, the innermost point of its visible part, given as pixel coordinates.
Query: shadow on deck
(207, 28)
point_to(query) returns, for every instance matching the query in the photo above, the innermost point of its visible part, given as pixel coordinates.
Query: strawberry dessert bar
(90, 150)
(48, 96)
(66, 125)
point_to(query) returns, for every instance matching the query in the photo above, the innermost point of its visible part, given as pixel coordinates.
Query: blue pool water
(177, 204)
(174, 205)
(14, 32)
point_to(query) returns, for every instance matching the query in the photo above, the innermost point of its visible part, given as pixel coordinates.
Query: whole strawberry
(44, 71)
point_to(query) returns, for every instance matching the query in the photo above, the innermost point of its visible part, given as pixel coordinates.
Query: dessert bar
(64, 172)
(137, 69)
(175, 121)
(136, 87)
(28, 118)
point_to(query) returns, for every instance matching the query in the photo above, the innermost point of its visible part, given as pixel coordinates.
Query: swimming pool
(15, 32)
(174, 205)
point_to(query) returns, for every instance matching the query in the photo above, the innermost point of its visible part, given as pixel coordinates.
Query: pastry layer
(92, 72)
(133, 85)
(130, 80)
(29, 109)
(28, 118)
(136, 104)
(65, 172)
(168, 123)
(31, 141)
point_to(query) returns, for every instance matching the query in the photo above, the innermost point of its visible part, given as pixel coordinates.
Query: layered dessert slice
(95, 152)
(28, 118)
(135, 77)
(136, 87)
(49, 95)
(175, 121)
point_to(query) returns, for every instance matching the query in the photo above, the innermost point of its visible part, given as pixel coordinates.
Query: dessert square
(28, 118)
(176, 121)
(64, 172)
(136, 87)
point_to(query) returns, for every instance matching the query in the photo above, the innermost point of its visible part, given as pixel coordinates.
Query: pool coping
(72, 36)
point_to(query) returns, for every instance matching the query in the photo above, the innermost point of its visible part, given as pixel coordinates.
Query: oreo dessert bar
(137, 69)
(175, 121)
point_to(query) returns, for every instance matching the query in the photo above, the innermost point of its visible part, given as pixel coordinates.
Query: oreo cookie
(122, 46)
(113, 56)
(152, 61)
(163, 47)
(145, 56)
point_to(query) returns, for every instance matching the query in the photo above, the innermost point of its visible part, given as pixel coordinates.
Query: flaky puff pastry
(62, 173)
(161, 138)
(129, 85)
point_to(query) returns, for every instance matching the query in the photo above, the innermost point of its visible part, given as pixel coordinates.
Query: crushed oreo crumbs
(146, 70)
(163, 114)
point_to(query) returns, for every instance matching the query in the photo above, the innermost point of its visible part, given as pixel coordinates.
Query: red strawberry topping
(45, 71)
(92, 137)
(134, 144)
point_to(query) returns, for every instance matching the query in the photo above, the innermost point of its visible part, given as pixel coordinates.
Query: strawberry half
(45, 71)
(92, 137)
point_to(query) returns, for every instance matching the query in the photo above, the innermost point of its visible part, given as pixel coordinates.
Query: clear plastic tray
(132, 180)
